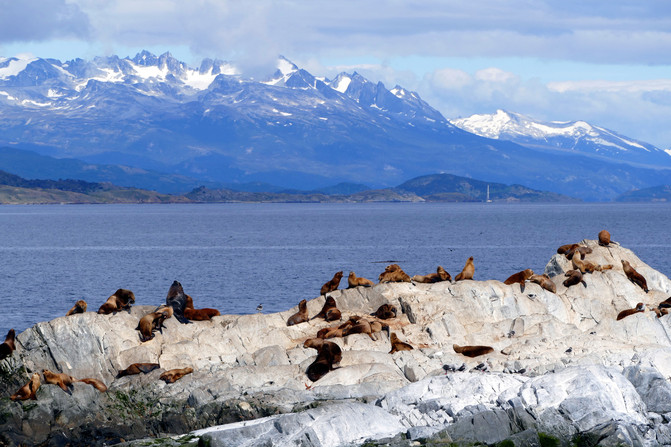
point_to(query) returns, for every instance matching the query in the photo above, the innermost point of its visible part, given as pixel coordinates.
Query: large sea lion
(8, 346)
(467, 272)
(78, 308)
(137, 368)
(176, 299)
(331, 285)
(173, 375)
(319, 344)
(385, 312)
(301, 316)
(328, 354)
(398, 345)
(472, 351)
(355, 281)
(152, 322)
(634, 276)
(587, 266)
(330, 311)
(604, 238)
(393, 273)
(573, 277)
(120, 300)
(544, 281)
(204, 314)
(97, 384)
(63, 380)
(519, 277)
(440, 275)
(363, 326)
(640, 307)
(28, 390)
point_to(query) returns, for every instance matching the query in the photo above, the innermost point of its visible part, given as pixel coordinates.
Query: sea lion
(544, 281)
(328, 354)
(152, 322)
(355, 281)
(28, 390)
(173, 375)
(331, 285)
(319, 344)
(604, 238)
(440, 275)
(467, 272)
(301, 316)
(385, 312)
(78, 308)
(640, 307)
(63, 380)
(666, 303)
(177, 299)
(363, 326)
(661, 311)
(566, 248)
(97, 384)
(634, 276)
(587, 266)
(472, 351)
(8, 346)
(573, 278)
(120, 300)
(204, 314)
(330, 311)
(583, 250)
(398, 345)
(137, 368)
(519, 277)
(393, 273)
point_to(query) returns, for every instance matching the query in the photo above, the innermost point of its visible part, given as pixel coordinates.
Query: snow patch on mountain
(13, 66)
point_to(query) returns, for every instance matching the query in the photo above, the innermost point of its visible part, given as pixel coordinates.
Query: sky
(607, 63)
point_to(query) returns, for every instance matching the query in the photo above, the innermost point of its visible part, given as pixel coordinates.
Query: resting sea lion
(97, 384)
(519, 277)
(63, 380)
(604, 238)
(28, 390)
(137, 368)
(330, 311)
(319, 344)
(173, 375)
(640, 307)
(393, 273)
(78, 308)
(544, 281)
(177, 299)
(634, 276)
(574, 277)
(153, 321)
(583, 250)
(566, 248)
(385, 312)
(120, 300)
(204, 314)
(331, 285)
(398, 345)
(8, 346)
(328, 354)
(472, 351)
(467, 272)
(588, 267)
(440, 275)
(355, 281)
(301, 316)
(363, 326)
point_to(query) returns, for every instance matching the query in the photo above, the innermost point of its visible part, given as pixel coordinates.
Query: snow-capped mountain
(291, 129)
(575, 136)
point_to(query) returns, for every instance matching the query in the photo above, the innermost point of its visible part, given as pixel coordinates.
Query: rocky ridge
(562, 367)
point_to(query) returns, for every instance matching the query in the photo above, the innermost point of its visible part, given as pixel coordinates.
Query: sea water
(233, 257)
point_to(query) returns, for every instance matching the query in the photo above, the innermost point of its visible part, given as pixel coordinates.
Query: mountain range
(154, 122)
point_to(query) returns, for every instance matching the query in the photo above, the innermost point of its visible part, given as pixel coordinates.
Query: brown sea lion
(640, 307)
(519, 277)
(544, 281)
(393, 273)
(204, 314)
(573, 277)
(301, 316)
(583, 250)
(63, 380)
(661, 311)
(152, 322)
(97, 384)
(385, 312)
(8, 346)
(604, 238)
(173, 375)
(120, 300)
(331, 285)
(363, 326)
(634, 276)
(467, 272)
(28, 390)
(319, 344)
(137, 368)
(440, 275)
(78, 308)
(328, 354)
(587, 266)
(398, 345)
(329, 311)
(566, 248)
(177, 299)
(355, 281)
(472, 351)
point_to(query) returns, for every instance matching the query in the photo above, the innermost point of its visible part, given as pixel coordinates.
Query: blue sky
(608, 63)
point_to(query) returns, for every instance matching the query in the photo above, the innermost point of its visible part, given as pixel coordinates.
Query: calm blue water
(234, 256)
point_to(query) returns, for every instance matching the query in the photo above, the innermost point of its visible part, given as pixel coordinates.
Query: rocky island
(562, 370)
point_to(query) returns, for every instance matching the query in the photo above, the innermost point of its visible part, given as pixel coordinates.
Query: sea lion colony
(180, 305)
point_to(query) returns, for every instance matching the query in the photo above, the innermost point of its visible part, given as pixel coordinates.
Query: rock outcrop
(562, 366)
